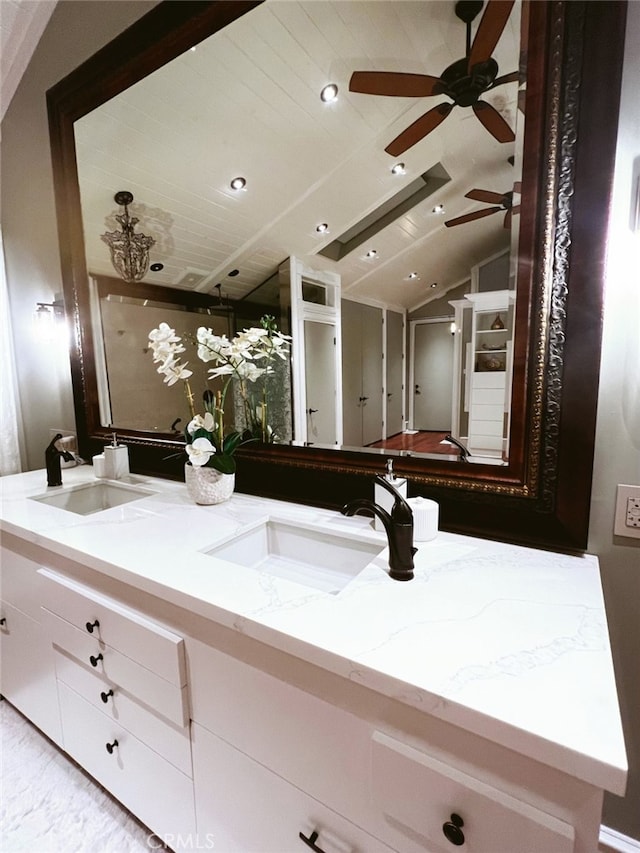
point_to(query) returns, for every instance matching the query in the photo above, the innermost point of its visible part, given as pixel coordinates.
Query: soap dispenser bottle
(116, 460)
(385, 498)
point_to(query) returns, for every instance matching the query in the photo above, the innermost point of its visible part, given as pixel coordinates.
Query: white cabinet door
(27, 676)
(242, 806)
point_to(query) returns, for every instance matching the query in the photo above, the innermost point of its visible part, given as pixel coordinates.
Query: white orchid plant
(245, 359)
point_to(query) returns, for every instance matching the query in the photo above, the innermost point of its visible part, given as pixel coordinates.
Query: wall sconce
(48, 321)
(129, 251)
(47, 313)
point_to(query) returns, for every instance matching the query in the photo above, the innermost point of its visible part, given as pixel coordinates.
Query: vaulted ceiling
(246, 102)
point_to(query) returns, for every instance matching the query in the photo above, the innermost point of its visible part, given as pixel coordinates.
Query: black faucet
(399, 528)
(52, 460)
(464, 453)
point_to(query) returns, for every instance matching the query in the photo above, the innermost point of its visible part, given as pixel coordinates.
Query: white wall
(75, 32)
(77, 29)
(617, 458)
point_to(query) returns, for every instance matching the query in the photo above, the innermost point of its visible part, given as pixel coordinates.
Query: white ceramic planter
(207, 486)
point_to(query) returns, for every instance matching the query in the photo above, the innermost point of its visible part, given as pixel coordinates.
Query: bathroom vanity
(312, 702)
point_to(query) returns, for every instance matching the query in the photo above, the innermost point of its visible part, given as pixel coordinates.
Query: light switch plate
(627, 515)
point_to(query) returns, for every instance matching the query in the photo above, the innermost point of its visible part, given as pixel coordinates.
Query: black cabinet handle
(452, 830)
(91, 625)
(93, 660)
(111, 746)
(311, 841)
(105, 696)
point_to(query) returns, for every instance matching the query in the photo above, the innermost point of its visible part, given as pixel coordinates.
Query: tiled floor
(49, 805)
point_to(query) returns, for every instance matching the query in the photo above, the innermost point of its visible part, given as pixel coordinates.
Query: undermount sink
(309, 556)
(92, 497)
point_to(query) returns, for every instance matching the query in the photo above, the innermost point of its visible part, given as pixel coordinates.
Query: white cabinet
(372, 784)
(121, 682)
(244, 807)
(27, 676)
(489, 372)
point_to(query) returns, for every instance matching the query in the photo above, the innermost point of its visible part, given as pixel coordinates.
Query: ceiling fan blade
(396, 84)
(485, 195)
(514, 77)
(419, 129)
(489, 30)
(469, 217)
(493, 122)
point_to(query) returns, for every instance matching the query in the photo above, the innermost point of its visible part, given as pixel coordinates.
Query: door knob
(362, 399)
(418, 391)
(311, 411)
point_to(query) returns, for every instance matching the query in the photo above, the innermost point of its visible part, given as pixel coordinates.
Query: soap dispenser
(383, 497)
(116, 460)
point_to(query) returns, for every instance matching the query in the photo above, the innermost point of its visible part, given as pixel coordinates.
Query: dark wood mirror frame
(542, 497)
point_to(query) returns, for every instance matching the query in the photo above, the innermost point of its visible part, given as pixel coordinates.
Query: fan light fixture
(129, 251)
(413, 275)
(438, 209)
(323, 228)
(329, 93)
(238, 183)
(371, 253)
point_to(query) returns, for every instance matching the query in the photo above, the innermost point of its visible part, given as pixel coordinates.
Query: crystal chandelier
(129, 251)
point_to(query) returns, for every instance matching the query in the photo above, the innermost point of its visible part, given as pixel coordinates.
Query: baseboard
(612, 841)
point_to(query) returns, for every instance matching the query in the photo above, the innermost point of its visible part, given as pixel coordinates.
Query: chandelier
(129, 251)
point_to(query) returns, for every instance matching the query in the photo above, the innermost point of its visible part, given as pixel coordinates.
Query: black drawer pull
(105, 696)
(111, 746)
(91, 625)
(452, 830)
(93, 660)
(311, 841)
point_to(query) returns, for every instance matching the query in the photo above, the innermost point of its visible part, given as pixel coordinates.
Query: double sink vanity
(246, 677)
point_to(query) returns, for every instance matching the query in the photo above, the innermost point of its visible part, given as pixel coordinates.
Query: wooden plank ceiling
(246, 102)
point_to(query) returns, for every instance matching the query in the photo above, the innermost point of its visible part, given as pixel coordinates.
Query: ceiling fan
(464, 81)
(501, 202)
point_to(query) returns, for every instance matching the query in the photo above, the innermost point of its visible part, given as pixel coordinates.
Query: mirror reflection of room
(404, 200)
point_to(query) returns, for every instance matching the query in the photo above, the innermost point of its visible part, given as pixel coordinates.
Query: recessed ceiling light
(329, 93)
(156, 267)
(438, 209)
(435, 284)
(233, 273)
(322, 228)
(398, 169)
(238, 183)
(371, 253)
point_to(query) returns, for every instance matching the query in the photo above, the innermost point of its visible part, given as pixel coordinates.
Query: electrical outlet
(627, 516)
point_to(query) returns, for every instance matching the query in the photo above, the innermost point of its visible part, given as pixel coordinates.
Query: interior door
(319, 346)
(433, 376)
(351, 374)
(371, 319)
(394, 374)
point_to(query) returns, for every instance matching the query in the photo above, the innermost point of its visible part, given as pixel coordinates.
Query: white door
(432, 375)
(394, 374)
(319, 359)
(371, 397)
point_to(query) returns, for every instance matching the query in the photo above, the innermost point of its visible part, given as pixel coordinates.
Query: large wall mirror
(485, 232)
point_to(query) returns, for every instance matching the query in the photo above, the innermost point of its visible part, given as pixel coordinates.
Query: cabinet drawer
(27, 675)
(170, 741)
(230, 787)
(150, 644)
(155, 791)
(162, 696)
(493, 821)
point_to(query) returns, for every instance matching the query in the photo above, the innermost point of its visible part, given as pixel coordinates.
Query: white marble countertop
(508, 642)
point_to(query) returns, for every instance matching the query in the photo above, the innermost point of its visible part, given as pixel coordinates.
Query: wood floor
(419, 442)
